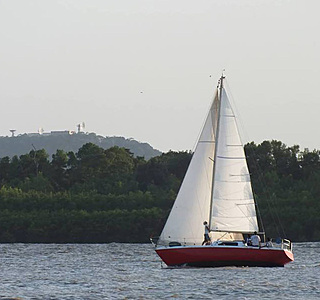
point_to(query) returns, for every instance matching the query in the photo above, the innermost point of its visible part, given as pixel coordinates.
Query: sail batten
(225, 157)
(210, 142)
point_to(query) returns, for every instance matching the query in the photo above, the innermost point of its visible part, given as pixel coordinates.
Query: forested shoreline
(99, 196)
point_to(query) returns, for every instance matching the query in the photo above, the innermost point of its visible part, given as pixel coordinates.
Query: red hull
(207, 256)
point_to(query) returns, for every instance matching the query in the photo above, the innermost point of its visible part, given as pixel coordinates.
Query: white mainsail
(233, 207)
(217, 184)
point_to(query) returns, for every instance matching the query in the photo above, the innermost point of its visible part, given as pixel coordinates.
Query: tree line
(97, 195)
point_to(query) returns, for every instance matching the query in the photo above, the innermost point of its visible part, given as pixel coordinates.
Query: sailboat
(217, 188)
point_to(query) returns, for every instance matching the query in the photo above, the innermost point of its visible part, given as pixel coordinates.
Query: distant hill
(63, 140)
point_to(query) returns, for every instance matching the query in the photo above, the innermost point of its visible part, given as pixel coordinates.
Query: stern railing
(280, 243)
(286, 244)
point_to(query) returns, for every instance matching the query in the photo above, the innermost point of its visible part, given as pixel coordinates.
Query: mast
(220, 88)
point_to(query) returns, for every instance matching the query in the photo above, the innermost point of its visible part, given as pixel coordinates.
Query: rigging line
(245, 134)
(216, 126)
(221, 237)
(197, 141)
(203, 168)
(236, 113)
(269, 197)
(209, 172)
(277, 215)
(249, 219)
(260, 218)
(200, 206)
(209, 118)
(204, 163)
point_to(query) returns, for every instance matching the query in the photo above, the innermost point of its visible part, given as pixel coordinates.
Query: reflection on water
(133, 271)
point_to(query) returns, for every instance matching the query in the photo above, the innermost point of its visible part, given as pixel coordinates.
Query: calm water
(133, 271)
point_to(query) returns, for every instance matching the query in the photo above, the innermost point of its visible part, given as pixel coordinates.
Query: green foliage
(286, 182)
(97, 195)
(89, 196)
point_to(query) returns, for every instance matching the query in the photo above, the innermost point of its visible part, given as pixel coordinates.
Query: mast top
(220, 82)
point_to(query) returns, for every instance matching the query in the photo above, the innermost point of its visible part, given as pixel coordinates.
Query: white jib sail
(233, 207)
(192, 205)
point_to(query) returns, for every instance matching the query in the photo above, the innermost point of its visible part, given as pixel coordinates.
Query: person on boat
(248, 240)
(255, 240)
(207, 240)
(269, 243)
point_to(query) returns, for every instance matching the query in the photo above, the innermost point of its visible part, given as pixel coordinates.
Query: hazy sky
(141, 68)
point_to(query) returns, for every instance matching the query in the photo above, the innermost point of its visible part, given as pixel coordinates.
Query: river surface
(133, 271)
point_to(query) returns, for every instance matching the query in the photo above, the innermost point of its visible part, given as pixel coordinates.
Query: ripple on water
(133, 271)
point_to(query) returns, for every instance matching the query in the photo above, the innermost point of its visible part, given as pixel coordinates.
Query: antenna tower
(12, 132)
(81, 126)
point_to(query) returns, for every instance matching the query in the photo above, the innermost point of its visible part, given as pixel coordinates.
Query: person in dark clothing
(207, 239)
